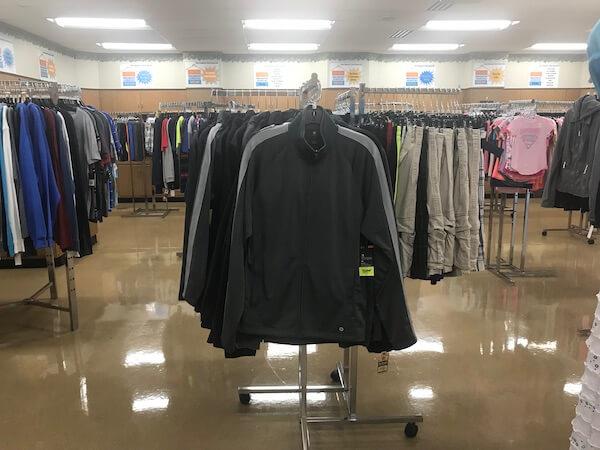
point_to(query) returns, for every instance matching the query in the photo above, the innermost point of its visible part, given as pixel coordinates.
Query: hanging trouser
(406, 192)
(475, 155)
(481, 198)
(445, 144)
(435, 229)
(462, 247)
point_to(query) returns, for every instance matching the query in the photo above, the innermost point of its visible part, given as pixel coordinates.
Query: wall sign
(137, 75)
(489, 73)
(420, 75)
(7, 56)
(544, 75)
(273, 75)
(47, 66)
(202, 73)
(345, 74)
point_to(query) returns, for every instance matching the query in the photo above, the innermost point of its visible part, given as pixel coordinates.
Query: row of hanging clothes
(57, 174)
(518, 147)
(436, 168)
(131, 132)
(290, 234)
(168, 139)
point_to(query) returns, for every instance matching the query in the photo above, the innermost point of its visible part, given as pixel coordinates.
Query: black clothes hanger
(312, 118)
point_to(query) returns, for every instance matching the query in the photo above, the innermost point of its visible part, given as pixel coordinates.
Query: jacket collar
(297, 131)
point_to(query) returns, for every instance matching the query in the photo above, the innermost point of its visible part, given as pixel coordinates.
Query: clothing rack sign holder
(346, 376)
(33, 300)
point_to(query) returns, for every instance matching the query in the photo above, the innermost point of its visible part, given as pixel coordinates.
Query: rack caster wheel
(544, 233)
(411, 430)
(591, 241)
(335, 376)
(244, 398)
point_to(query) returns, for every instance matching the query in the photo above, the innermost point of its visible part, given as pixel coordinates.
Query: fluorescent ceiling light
(282, 47)
(468, 25)
(134, 46)
(100, 23)
(424, 47)
(287, 24)
(569, 47)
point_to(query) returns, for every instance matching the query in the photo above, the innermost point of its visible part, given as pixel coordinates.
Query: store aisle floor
(496, 366)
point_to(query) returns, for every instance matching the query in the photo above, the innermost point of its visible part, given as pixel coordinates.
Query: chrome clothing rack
(576, 230)
(33, 300)
(146, 211)
(502, 268)
(346, 377)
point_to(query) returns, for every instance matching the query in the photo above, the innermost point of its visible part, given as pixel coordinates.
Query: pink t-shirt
(527, 144)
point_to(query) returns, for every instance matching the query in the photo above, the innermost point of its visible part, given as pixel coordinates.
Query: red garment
(164, 135)
(389, 134)
(62, 226)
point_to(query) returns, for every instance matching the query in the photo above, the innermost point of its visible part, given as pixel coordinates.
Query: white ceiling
(361, 26)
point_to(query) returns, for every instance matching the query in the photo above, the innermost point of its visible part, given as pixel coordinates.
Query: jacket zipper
(304, 267)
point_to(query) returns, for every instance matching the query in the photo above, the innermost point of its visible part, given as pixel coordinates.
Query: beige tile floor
(496, 367)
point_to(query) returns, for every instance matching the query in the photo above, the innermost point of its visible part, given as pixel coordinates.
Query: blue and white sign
(420, 75)
(544, 75)
(7, 56)
(137, 75)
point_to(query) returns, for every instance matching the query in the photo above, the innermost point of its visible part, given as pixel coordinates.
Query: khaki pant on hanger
(406, 192)
(462, 249)
(475, 154)
(445, 143)
(435, 230)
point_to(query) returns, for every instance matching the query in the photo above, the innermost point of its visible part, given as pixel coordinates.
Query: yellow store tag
(366, 271)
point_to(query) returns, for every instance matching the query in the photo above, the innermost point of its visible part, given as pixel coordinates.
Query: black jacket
(574, 169)
(295, 247)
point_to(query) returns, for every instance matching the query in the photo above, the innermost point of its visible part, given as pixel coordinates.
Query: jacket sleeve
(549, 194)
(391, 321)
(31, 193)
(595, 182)
(236, 285)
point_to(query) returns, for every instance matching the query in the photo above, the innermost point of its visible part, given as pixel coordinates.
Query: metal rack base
(32, 300)
(502, 268)
(575, 230)
(346, 374)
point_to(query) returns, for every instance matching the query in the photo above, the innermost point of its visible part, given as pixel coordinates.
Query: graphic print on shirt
(529, 136)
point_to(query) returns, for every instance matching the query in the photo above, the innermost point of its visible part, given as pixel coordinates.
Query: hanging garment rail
(470, 108)
(188, 106)
(576, 230)
(33, 300)
(505, 269)
(219, 92)
(261, 99)
(540, 106)
(346, 374)
(421, 99)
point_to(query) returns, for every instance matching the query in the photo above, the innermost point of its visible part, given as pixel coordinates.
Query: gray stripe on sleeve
(385, 190)
(198, 200)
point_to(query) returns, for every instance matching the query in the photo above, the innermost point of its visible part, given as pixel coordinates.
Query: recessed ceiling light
(282, 47)
(287, 24)
(100, 23)
(469, 25)
(558, 46)
(424, 47)
(134, 46)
